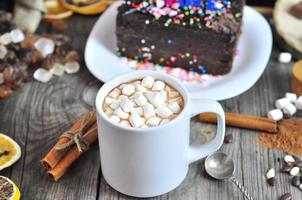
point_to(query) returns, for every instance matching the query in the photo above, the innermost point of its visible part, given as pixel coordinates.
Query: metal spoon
(220, 166)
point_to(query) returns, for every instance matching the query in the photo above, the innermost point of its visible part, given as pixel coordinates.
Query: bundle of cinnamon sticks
(70, 146)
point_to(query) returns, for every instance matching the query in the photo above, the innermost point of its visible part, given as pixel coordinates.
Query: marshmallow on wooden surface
(290, 109)
(174, 107)
(139, 87)
(281, 103)
(115, 119)
(148, 81)
(275, 114)
(138, 111)
(115, 93)
(136, 121)
(163, 111)
(298, 103)
(128, 90)
(127, 105)
(121, 114)
(291, 97)
(153, 121)
(158, 86)
(140, 99)
(155, 98)
(149, 110)
(125, 123)
(285, 57)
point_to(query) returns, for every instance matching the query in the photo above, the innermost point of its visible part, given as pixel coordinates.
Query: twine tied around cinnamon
(77, 138)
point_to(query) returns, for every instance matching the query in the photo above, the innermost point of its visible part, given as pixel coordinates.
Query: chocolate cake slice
(196, 35)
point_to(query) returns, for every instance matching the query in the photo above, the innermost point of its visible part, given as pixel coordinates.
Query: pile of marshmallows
(143, 103)
(287, 105)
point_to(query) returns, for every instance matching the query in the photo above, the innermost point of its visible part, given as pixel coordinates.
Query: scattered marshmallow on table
(290, 109)
(275, 114)
(285, 57)
(281, 103)
(292, 97)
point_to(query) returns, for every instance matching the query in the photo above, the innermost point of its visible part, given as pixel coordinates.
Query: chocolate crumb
(286, 196)
(271, 181)
(228, 139)
(296, 181)
(286, 168)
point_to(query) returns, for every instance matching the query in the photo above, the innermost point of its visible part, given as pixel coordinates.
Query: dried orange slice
(8, 189)
(86, 7)
(55, 11)
(10, 151)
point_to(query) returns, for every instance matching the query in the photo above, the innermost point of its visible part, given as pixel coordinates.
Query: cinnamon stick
(243, 121)
(54, 156)
(72, 155)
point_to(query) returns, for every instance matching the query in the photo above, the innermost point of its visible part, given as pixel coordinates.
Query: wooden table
(38, 113)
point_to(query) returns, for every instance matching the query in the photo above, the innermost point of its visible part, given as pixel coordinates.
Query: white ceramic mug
(146, 162)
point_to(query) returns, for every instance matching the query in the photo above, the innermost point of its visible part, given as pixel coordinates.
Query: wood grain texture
(38, 113)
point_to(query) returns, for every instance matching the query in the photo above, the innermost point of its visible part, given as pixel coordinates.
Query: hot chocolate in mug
(147, 162)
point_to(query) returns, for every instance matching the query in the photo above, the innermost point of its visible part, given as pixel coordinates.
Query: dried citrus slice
(8, 189)
(55, 11)
(10, 151)
(86, 7)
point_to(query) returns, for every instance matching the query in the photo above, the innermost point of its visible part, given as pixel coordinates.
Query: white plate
(255, 47)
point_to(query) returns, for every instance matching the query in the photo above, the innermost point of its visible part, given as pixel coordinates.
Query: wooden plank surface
(36, 115)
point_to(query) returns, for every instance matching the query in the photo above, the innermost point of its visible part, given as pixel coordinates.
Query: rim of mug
(130, 76)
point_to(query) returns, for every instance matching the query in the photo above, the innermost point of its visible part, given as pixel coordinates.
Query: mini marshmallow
(139, 87)
(148, 81)
(164, 121)
(138, 111)
(285, 57)
(140, 99)
(281, 103)
(127, 105)
(122, 97)
(178, 100)
(115, 93)
(294, 171)
(144, 126)
(289, 109)
(291, 97)
(168, 88)
(158, 86)
(115, 119)
(153, 121)
(115, 104)
(121, 114)
(128, 89)
(136, 121)
(149, 110)
(270, 173)
(289, 159)
(109, 100)
(275, 114)
(122, 86)
(163, 111)
(174, 107)
(125, 123)
(109, 111)
(164, 94)
(298, 103)
(155, 98)
(173, 94)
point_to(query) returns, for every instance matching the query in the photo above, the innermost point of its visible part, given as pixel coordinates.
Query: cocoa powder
(288, 137)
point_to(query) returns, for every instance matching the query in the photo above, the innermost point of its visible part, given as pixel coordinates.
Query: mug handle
(197, 152)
